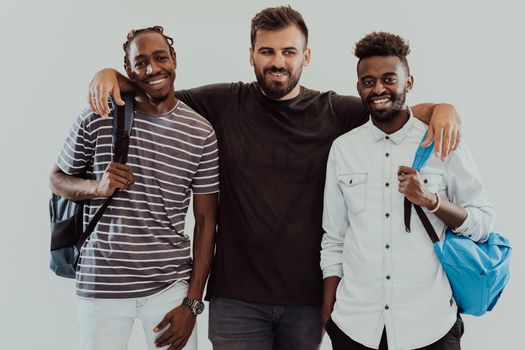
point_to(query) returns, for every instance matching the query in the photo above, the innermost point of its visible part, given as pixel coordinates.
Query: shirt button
(387, 307)
(387, 277)
(387, 215)
(386, 137)
(387, 154)
(387, 246)
(387, 184)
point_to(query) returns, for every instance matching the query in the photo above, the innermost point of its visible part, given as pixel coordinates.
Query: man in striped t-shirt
(137, 261)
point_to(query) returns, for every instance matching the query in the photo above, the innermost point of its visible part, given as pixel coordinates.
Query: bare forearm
(71, 187)
(329, 290)
(202, 258)
(203, 243)
(423, 111)
(451, 214)
(124, 83)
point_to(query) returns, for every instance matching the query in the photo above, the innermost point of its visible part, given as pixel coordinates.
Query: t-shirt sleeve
(77, 152)
(350, 110)
(208, 100)
(206, 179)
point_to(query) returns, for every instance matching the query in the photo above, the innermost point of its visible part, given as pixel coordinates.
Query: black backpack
(67, 234)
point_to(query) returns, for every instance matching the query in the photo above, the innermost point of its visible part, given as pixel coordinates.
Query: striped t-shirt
(139, 246)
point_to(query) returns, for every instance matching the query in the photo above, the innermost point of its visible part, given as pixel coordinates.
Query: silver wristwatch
(196, 306)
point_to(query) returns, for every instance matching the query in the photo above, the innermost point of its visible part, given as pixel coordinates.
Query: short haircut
(383, 44)
(132, 34)
(277, 18)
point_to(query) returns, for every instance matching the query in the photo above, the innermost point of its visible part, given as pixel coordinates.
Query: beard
(155, 96)
(386, 115)
(159, 98)
(276, 90)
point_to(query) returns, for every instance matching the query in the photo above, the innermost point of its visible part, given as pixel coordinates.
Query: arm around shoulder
(107, 82)
(211, 100)
(444, 127)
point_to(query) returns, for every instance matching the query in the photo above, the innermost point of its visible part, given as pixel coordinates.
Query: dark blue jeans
(240, 325)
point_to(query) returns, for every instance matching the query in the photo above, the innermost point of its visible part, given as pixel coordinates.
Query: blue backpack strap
(421, 157)
(422, 154)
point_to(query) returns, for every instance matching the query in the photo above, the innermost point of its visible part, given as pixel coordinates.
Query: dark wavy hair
(277, 18)
(383, 44)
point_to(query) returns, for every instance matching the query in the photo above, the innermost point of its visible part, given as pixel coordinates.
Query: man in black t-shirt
(274, 136)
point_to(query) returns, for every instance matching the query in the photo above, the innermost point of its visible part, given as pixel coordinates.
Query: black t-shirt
(272, 157)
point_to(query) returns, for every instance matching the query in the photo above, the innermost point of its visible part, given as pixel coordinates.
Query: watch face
(199, 307)
(196, 306)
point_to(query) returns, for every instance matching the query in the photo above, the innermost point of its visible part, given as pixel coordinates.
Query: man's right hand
(115, 176)
(104, 84)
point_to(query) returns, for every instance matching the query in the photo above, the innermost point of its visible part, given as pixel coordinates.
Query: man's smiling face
(278, 57)
(383, 82)
(152, 66)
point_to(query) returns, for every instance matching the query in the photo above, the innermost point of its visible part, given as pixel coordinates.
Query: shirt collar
(396, 137)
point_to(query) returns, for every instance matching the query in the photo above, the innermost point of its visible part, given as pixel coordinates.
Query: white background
(468, 53)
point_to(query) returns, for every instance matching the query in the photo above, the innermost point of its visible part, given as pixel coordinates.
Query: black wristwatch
(196, 306)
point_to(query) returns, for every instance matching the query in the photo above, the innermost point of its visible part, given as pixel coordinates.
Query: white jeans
(106, 324)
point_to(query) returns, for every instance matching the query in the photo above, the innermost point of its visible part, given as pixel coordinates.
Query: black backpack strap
(122, 125)
(426, 223)
(91, 226)
(408, 214)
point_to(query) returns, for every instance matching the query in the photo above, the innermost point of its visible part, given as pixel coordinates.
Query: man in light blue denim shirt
(383, 286)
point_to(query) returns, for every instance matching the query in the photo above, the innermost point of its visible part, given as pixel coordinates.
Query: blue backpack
(477, 272)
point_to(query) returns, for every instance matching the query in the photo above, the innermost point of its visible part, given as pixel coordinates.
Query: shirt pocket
(434, 182)
(353, 187)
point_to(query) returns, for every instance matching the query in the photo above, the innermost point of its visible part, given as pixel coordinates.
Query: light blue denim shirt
(391, 278)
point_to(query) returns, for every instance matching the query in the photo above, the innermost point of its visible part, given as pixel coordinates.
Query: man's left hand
(444, 129)
(179, 322)
(412, 187)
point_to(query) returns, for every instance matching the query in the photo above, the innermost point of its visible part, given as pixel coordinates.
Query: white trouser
(106, 324)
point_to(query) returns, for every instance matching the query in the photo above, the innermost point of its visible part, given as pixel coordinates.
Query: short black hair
(383, 44)
(277, 18)
(132, 34)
